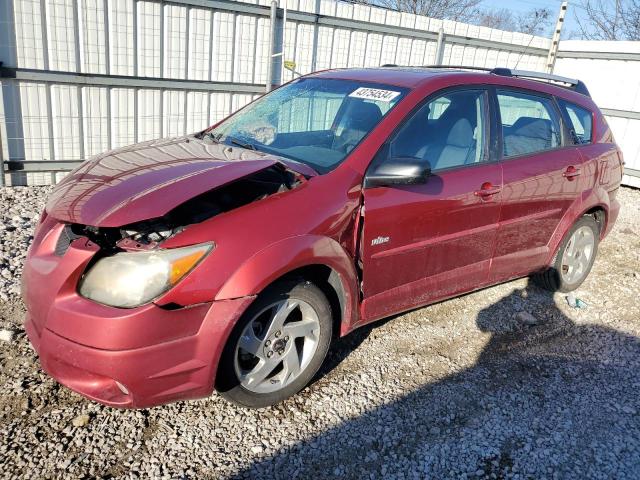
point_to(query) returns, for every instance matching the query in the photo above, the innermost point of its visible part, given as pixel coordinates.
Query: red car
(231, 258)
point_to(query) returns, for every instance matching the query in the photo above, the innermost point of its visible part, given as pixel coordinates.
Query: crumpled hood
(148, 180)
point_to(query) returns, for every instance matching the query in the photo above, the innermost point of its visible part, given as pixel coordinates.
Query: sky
(553, 5)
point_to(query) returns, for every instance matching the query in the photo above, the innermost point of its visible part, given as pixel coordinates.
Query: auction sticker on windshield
(374, 94)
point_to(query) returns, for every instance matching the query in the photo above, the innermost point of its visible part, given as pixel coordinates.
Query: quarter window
(449, 131)
(529, 124)
(581, 121)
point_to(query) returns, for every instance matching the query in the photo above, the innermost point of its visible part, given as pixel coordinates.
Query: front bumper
(155, 354)
(179, 369)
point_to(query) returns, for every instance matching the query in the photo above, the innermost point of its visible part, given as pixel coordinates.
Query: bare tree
(458, 10)
(609, 19)
(533, 22)
(536, 21)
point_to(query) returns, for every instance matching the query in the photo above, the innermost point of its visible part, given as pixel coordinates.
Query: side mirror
(398, 171)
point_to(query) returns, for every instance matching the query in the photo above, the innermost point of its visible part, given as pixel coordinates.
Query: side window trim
(563, 106)
(489, 130)
(567, 140)
(564, 136)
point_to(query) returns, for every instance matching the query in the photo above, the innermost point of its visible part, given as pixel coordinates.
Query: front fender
(292, 253)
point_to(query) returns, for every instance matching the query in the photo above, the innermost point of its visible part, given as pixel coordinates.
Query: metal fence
(612, 73)
(83, 76)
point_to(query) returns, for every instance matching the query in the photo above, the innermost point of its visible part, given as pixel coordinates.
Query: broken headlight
(130, 279)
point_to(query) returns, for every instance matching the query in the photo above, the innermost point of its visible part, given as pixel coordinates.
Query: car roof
(413, 77)
(408, 77)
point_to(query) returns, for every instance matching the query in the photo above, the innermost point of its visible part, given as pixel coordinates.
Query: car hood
(148, 180)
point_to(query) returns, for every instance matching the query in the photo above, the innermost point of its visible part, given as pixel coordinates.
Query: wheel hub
(279, 346)
(276, 345)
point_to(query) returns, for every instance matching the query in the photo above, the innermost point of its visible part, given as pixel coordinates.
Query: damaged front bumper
(179, 369)
(122, 357)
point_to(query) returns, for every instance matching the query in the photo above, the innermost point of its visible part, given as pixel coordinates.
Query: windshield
(313, 121)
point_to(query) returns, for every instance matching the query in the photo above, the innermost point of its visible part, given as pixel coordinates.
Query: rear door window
(530, 124)
(580, 122)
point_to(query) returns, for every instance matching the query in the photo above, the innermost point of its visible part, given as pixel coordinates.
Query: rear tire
(277, 346)
(574, 259)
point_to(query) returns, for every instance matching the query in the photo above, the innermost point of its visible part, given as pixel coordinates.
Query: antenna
(522, 54)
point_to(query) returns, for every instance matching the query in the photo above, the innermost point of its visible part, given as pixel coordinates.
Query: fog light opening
(122, 388)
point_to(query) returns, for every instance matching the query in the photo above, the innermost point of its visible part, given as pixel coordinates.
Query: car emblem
(379, 241)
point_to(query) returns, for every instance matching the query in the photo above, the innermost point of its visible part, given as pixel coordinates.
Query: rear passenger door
(541, 169)
(598, 158)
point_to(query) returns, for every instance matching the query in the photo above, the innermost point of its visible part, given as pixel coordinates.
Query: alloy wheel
(577, 255)
(277, 345)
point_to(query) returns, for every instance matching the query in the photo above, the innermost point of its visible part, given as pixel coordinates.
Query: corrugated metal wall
(203, 41)
(134, 70)
(612, 73)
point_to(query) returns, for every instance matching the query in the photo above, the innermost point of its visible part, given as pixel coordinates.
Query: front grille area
(64, 240)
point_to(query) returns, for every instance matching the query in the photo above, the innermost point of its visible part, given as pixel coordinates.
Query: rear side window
(530, 124)
(581, 122)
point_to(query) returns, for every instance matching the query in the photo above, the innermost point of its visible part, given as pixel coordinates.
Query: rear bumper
(179, 369)
(612, 216)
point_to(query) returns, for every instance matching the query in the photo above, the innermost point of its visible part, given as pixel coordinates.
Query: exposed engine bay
(148, 234)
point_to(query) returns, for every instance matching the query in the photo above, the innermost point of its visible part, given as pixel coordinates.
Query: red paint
(464, 229)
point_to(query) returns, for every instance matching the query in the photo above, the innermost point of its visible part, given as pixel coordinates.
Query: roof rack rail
(452, 67)
(458, 67)
(572, 83)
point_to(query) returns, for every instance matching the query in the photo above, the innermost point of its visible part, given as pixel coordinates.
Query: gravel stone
(460, 389)
(7, 335)
(526, 318)
(81, 420)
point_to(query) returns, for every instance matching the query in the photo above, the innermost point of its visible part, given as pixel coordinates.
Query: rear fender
(280, 258)
(596, 197)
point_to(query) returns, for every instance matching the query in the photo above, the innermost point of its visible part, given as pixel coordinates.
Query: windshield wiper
(214, 137)
(248, 146)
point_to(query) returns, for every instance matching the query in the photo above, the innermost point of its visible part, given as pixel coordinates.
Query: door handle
(487, 190)
(571, 172)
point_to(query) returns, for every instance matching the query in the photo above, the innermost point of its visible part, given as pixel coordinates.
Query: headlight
(130, 279)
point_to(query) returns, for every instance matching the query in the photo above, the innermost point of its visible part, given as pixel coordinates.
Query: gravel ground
(508, 382)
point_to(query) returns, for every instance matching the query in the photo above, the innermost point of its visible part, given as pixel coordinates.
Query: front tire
(277, 346)
(574, 258)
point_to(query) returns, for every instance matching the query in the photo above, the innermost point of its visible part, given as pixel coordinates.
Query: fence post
(10, 97)
(555, 40)
(316, 32)
(271, 60)
(440, 47)
(1, 161)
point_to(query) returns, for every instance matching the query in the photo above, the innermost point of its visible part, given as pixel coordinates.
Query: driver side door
(426, 242)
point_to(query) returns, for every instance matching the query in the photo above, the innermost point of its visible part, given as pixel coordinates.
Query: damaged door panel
(428, 241)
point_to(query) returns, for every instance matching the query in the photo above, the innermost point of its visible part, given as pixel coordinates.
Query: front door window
(448, 132)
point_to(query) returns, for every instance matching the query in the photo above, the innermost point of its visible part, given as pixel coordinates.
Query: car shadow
(544, 399)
